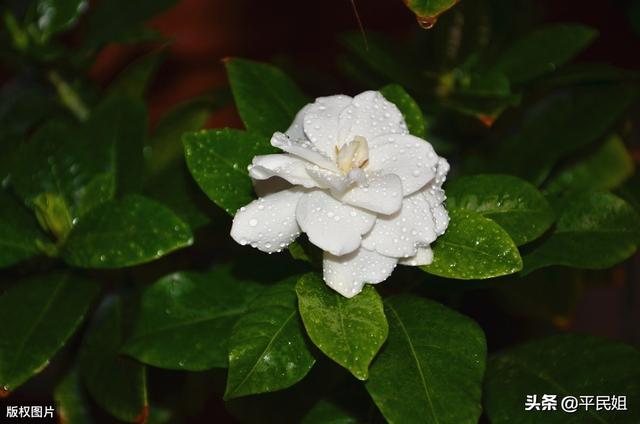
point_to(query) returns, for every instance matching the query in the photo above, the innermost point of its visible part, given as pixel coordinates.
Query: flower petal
(303, 149)
(329, 179)
(268, 223)
(382, 194)
(347, 274)
(435, 196)
(409, 157)
(400, 234)
(296, 130)
(332, 225)
(370, 115)
(285, 166)
(321, 122)
(424, 256)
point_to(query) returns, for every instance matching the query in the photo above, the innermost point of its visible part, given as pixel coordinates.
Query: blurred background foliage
(95, 99)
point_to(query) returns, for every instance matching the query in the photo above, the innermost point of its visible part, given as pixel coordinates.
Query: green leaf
(108, 21)
(60, 164)
(266, 98)
(565, 365)
(604, 169)
(325, 412)
(473, 247)
(513, 203)
(134, 80)
(40, 315)
(118, 128)
(267, 349)
(593, 231)
(409, 108)
(54, 16)
(19, 232)
(543, 51)
(428, 11)
(116, 383)
(560, 124)
(186, 319)
(71, 403)
(125, 232)
(218, 161)
(432, 366)
(349, 331)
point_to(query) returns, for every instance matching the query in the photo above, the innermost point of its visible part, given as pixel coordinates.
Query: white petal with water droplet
(331, 225)
(347, 274)
(382, 194)
(435, 196)
(321, 121)
(329, 179)
(285, 166)
(400, 234)
(296, 130)
(424, 256)
(303, 149)
(370, 115)
(268, 223)
(411, 158)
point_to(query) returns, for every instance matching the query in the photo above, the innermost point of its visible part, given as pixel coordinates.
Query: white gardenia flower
(361, 187)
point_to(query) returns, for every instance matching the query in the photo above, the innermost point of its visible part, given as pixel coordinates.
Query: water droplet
(253, 222)
(427, 22)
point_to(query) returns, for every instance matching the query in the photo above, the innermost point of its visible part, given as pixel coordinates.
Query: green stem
(68, 96)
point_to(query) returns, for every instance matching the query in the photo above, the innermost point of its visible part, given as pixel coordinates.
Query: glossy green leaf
(473, 247)
(134, 80)
(40, 315)
(410, 110)
(325, 412)
(71, 402)
(564, 365)
(116, 383)
(267, 349)
(543, 51)
(54, 16)
(19, 233)
(186, 319)
(428, 11)
(604, 169)
(118, 128)
(218, 161)
(593, 231)
(513, 203)
(60, 163)
(125, 232)
(349, 331)
(116, 20)
(266, 98)
(431, 368)
(558, 125)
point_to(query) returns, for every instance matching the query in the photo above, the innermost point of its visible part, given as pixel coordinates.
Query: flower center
(353, 155)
